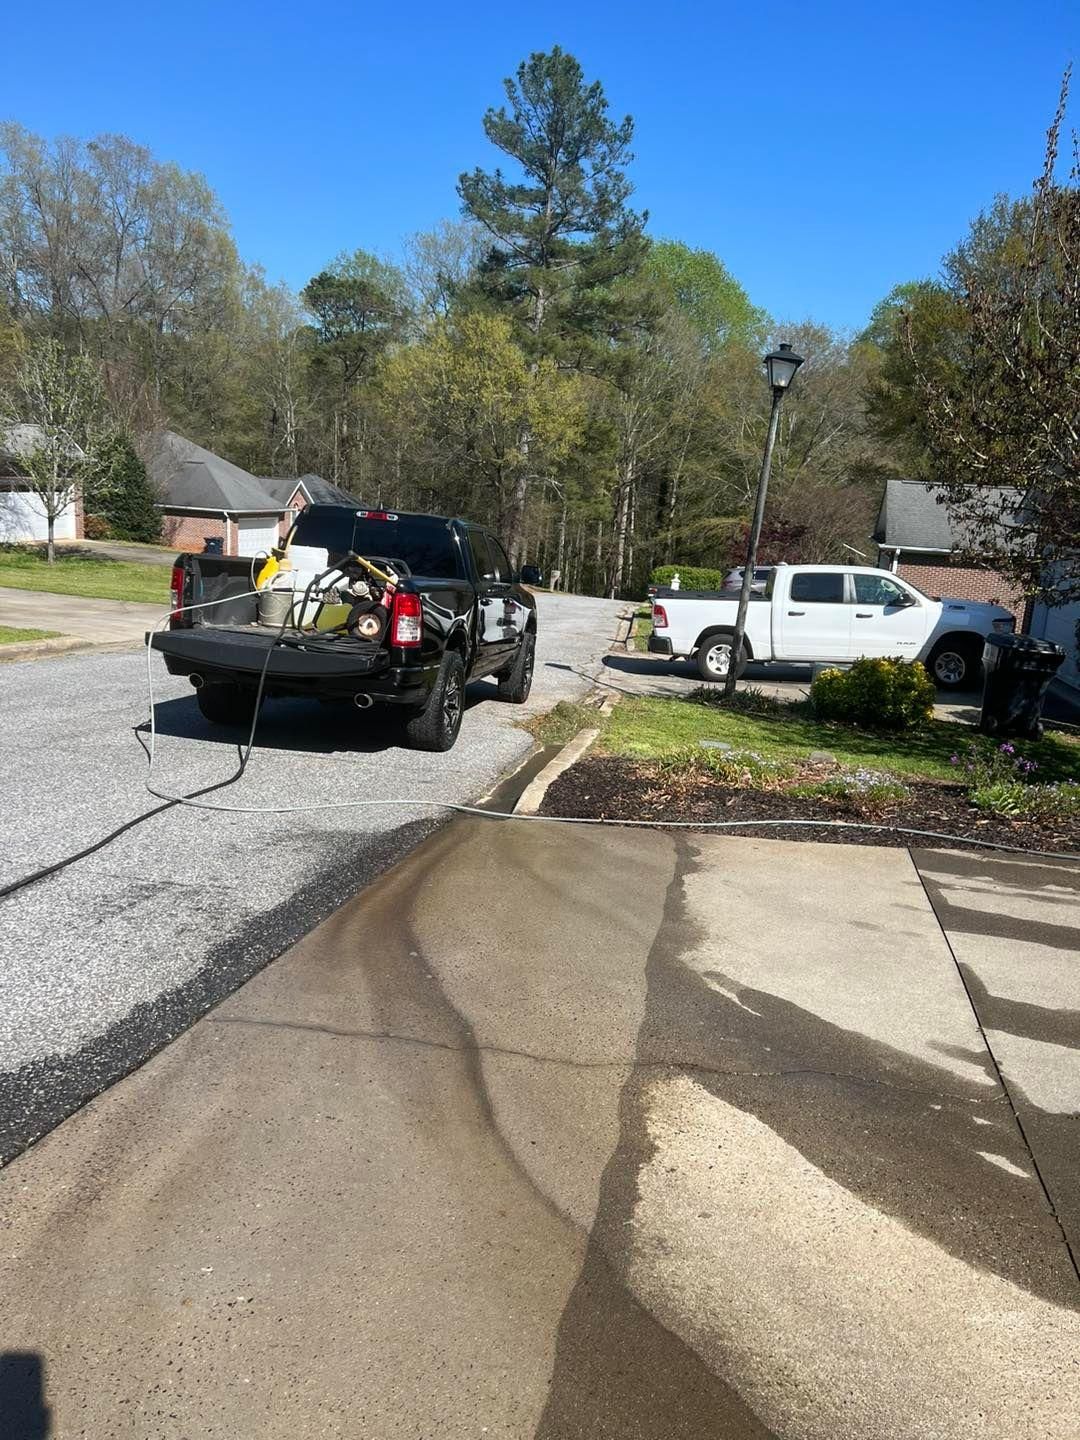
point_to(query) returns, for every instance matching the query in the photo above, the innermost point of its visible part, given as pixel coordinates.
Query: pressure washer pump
(353, 596)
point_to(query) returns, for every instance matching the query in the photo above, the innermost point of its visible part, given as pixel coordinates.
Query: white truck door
(814, 617)
(884, 621)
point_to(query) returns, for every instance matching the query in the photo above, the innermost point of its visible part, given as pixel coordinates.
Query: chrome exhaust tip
(362, 702)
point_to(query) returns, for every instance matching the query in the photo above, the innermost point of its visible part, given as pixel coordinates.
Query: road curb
(532, 797)
(66, 645)
(31, 649)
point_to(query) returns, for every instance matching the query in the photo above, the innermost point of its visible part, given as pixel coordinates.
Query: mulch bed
(620, 789)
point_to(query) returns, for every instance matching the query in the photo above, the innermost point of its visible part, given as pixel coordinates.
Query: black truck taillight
(176, 591)
(406, 620)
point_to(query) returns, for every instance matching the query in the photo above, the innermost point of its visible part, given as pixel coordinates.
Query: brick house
(917, 541)
(205, 498)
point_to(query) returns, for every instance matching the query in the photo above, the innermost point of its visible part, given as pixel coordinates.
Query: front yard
(79, 573)
(14, 635)
(693, 760)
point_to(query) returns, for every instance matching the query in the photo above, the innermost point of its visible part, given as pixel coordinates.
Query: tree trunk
(515, 523)
(50, 547)
(630, 536)
(622, 515)
(561, 560)
(598, 578)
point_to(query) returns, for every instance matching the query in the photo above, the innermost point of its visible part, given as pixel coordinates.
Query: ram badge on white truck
(818, 614)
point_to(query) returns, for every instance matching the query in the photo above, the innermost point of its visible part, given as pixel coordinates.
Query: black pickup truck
(370, 606)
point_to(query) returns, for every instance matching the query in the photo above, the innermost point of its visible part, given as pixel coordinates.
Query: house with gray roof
(918, 539)
(207, 499)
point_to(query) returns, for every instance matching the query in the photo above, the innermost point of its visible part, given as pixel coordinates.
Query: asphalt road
(539, 1139)
(123, 950)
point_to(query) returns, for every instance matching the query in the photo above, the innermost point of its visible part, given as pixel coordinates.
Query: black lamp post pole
(752, 546)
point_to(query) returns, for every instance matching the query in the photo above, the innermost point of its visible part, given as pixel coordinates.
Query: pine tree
(120, 493)
(561, 230)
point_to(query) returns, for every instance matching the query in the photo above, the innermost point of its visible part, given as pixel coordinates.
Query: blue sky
(824, 150)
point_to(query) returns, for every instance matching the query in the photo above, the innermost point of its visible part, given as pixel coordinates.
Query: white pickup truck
(815, 614)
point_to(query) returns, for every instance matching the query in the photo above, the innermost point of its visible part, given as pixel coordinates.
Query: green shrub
(877, 694)
(691, 577)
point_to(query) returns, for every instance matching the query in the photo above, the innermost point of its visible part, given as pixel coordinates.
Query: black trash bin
(213, 545)
(1017, 671)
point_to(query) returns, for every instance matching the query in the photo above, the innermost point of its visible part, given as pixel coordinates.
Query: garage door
(23, 518)
(1059, 623)
(255, 533)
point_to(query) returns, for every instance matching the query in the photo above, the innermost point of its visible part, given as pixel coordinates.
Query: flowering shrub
(999, 781)
(879, 694)
(732, 767)
(869, 790)
(988, 764)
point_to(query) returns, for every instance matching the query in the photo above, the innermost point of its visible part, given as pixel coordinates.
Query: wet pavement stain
(892, 1129)
(619, 1373)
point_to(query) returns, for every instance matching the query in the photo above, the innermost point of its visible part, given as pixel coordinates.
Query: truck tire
(714, 654)
(226, 704)
(516, 682)
(437, 725)
(955, 663)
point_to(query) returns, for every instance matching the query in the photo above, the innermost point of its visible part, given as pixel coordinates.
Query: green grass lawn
(653, 729)
(94, 576)
(12, 635)
(641, 628)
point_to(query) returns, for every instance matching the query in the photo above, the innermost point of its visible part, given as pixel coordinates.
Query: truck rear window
(426, 545)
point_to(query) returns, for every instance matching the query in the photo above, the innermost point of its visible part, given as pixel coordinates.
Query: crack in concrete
(630, 1064)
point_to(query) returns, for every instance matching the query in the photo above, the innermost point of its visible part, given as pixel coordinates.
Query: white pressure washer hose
(426, 802)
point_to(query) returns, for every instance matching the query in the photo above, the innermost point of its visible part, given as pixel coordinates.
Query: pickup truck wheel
(226, 704)
(436, 726)
(515, 683)
(714, 656)
(955, 664)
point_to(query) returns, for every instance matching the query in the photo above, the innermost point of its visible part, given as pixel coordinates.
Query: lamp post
(780, 366)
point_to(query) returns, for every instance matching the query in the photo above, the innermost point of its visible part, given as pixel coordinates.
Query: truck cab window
(501, 565)
(876, 590)
(818, 587)
(485, 566)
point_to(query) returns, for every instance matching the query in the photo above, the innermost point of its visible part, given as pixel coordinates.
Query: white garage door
(22, 517)
(255, 533)
(1059, 624)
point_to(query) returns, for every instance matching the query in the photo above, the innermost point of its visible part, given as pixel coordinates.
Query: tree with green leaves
(1005, 415)
(700, 287)
(560, 227)
(462, 399)
(360, 304)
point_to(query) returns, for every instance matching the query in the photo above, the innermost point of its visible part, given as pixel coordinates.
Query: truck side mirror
(530, 575)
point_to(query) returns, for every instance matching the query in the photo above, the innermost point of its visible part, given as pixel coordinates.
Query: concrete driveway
(118, 953)
(587, 1135)
(98, 622)
(119, 550)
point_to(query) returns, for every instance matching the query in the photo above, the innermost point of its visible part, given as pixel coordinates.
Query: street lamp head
(780, 365)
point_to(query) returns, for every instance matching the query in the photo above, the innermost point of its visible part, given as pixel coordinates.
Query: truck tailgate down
(243, 649)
